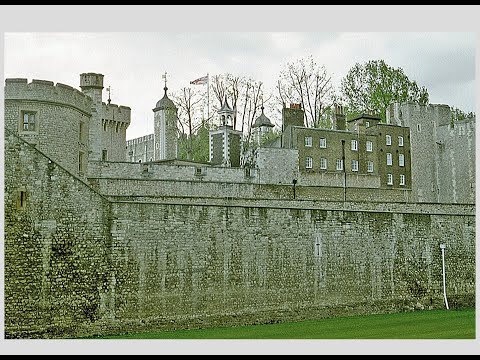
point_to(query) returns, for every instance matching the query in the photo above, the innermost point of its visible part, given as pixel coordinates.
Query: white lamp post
(443, 246)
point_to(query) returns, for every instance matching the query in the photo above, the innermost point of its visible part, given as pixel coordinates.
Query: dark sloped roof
(262, 120)
(225, 107)
(164, 103)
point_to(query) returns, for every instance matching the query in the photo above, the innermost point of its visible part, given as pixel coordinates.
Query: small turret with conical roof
(225, 113)
(225, 142)
(262, 126)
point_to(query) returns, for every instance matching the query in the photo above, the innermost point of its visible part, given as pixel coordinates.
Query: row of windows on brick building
(354, 168)
(339, 164)
(354, 143)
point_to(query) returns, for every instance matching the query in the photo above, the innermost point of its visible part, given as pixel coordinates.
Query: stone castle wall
(443, 157)
(140, 149)
(456, 162)
(77, 264)
(203, 265)
(134, 189)
(57, 272)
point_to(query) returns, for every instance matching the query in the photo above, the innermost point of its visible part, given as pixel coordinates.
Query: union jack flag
(200, 81)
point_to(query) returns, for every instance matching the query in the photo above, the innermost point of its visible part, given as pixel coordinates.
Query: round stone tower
(165, 133)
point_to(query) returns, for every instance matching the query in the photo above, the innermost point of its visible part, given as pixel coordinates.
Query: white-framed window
(367, 124)
(28, 121)
(401, 160)
(323, 163)
(354, 145)
(308, 162)
(388, 140)
(323, 143)
(370, 166)
(369, 146)
(400, 141)
(339, 164)
(389, 179)
(419, 128)
(402, 179)
(354, 165)
(308, 141)
(389, 159)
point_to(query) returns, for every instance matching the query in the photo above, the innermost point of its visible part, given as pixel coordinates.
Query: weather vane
(164, 76)
(109, 100)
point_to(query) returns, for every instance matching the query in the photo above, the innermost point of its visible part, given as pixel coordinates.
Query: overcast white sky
(133, 62)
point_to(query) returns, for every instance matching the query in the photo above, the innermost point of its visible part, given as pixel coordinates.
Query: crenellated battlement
(402, 113)
(47, 91)
(114, 112)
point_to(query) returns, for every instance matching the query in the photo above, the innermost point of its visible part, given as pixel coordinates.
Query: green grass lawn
(439, 324)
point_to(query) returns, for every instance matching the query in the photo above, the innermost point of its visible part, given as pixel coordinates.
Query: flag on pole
(200, 81)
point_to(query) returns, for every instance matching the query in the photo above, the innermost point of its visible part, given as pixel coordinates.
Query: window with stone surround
(81, 162)
(323, 163)
(354, 145)
(323, 143)
(389, 159)
(308, 141)
(369, 146)
(29, 121)
(21, 198)
(80, 132)
(370, 166)
(308, 162)
(354, 165)
(339, 164)
(389, 179)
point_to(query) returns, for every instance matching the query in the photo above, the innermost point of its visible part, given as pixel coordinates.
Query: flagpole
(208, 97)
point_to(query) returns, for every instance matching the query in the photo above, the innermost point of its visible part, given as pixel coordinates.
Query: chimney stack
(339, 118)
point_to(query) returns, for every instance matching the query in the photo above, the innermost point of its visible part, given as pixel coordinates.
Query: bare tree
(188, 102)
(218, 87)
(232, 86)
(305, 82)
(253, 102)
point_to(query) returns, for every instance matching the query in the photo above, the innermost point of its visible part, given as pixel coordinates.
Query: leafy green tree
(372, 86)
(459, 115)
(194, 147)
